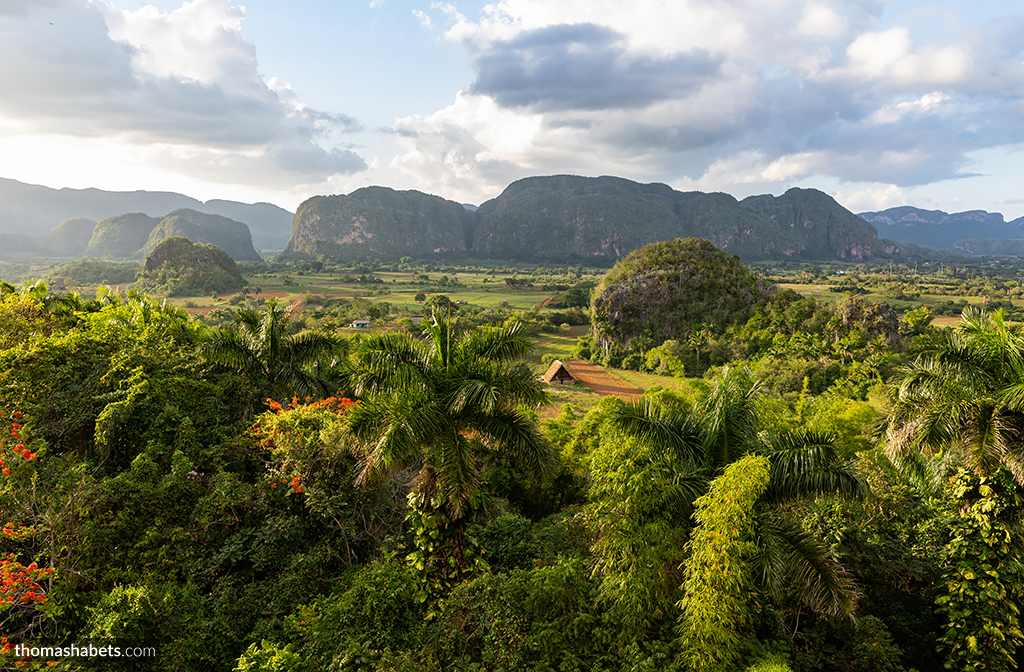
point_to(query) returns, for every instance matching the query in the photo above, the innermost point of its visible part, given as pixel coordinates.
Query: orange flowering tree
(24, 588)
(308, 457)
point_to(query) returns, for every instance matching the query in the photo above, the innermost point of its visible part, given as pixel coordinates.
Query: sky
(876, 103)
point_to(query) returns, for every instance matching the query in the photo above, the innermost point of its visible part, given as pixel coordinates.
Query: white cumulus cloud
(185, 84)
(715, 94)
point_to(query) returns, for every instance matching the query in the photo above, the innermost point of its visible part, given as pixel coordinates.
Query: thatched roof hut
(558, 374)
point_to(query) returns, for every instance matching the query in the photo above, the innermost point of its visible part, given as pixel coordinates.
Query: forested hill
(565, 218)
(972, 231)
(35, 210)
(133, 236)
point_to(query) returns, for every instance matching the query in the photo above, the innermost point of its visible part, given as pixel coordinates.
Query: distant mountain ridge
(573, 219)
(960, 231)
(36, 210)
(133, 236)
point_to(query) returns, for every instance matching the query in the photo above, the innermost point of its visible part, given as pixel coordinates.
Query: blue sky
(877, 103)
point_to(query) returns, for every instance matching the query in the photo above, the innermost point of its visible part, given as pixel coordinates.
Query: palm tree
(276, 363)
(723, 428)
(964, 393)
(443, 405)
(698, 338)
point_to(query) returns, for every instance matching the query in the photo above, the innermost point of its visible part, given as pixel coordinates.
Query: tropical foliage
(271, 497)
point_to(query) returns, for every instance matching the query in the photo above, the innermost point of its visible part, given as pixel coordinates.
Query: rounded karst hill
(665, 290)
(179, 267)
(71, 238)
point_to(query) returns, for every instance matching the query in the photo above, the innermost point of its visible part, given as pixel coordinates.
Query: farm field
(483, 290)
(602, 381)
(822, 293)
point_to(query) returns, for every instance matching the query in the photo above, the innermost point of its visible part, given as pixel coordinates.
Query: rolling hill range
(571, 219)
(133, 236)
(546, 219)
(32, 210)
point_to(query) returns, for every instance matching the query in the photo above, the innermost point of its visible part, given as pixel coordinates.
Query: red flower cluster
(334, 404)
(17, 533)
(296, 484)
(7, 647)
(19, 449)
(19, 583)
(330, 403)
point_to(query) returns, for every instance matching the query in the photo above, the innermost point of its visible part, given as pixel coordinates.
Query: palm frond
(514, 439)
(455, 471)
(390, 361)
(505, 344)
(391, 433)
(652, 423)
(788, 558)
(805, 463)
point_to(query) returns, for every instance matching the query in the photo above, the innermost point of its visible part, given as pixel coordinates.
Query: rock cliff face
(379, 222)
(569, 218)
(575, 218)
(566, 218)
(816, 226)
(667, 289)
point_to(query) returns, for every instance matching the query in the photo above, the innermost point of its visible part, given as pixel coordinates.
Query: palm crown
(964, 394)
(277, 363)
(697, 444)
(445, 403)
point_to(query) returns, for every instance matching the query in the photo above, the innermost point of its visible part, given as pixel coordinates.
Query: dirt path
(601, 381)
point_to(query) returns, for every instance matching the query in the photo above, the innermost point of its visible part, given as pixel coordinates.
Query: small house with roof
(558, 374)
(360, 324)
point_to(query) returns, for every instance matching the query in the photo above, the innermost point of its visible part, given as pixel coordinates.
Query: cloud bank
(184, 84)
(710, 94)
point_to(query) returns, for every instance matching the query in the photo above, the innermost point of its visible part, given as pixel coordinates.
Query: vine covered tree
(687, 450)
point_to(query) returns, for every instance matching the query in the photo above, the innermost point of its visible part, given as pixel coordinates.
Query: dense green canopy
(666, 290)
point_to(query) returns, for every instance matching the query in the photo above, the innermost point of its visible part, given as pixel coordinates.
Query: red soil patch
(544, 304)
(600, 381)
